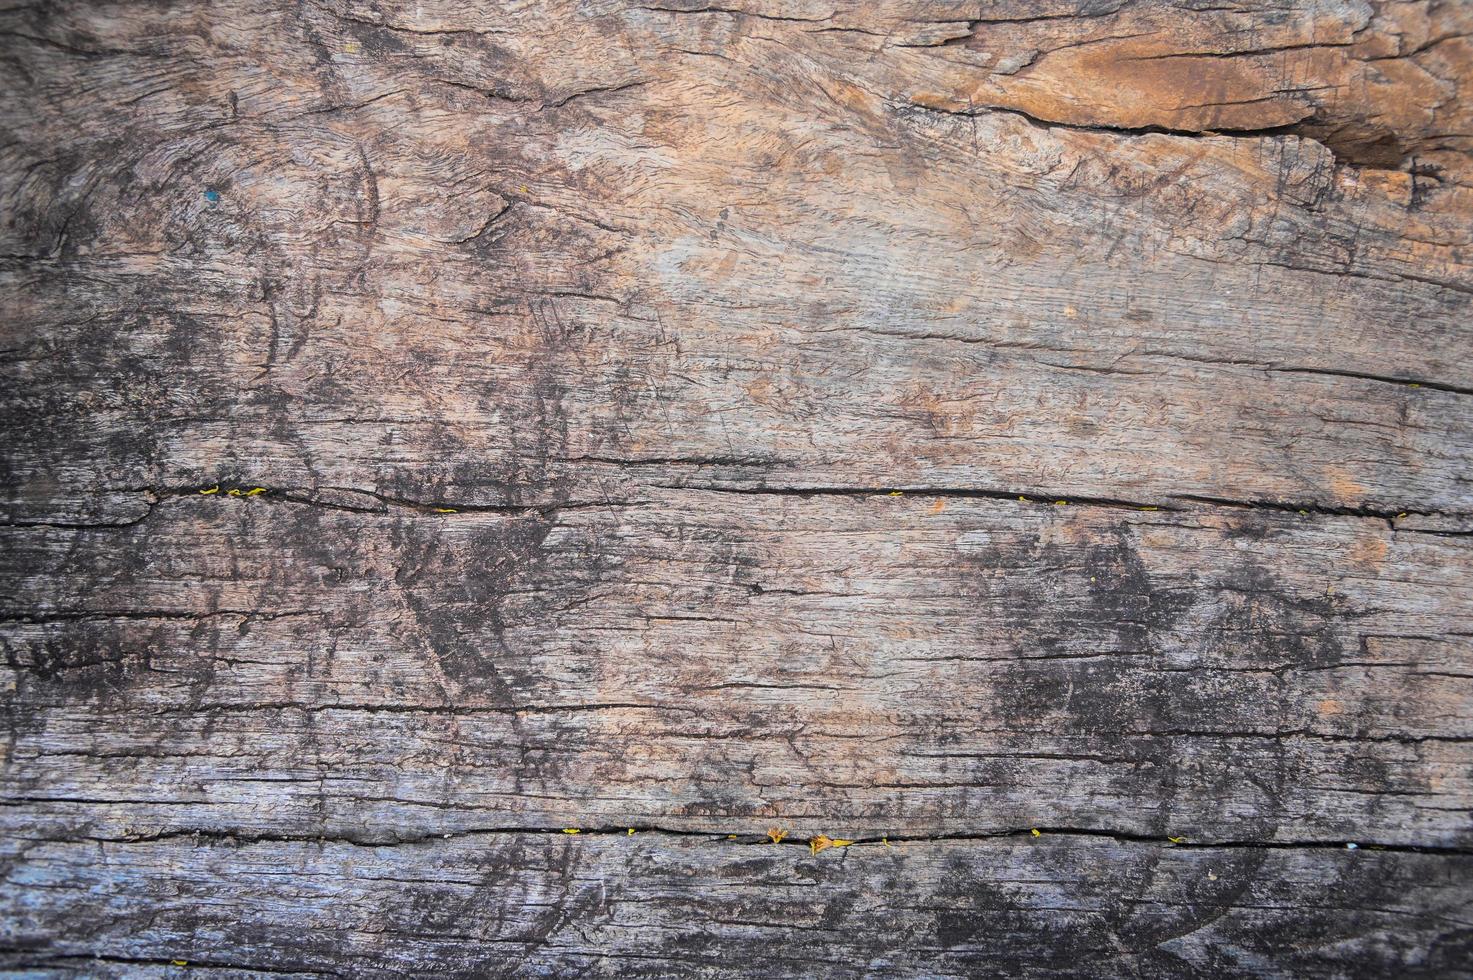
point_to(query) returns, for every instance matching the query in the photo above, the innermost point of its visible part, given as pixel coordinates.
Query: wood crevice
(747, 838)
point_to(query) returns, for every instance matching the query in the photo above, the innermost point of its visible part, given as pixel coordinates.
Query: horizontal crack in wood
(748, 838)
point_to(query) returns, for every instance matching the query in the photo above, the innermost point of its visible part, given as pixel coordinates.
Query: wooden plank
(1164, 315)
(861, 665)
(531, 905)
(428, 430)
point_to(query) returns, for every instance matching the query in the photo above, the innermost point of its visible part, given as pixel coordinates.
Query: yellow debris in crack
(214, 489)
(823, 842)
(570, 830)
(631, 832)
(1177, 840)
(777, 834)
(255, 490)
(1035, 832)
(445, 510)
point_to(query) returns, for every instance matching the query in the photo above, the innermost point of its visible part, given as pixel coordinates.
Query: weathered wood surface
(430, 427)
(552, 905)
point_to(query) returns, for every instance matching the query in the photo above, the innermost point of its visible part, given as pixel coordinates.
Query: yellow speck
(897, 493)
(570, 830)
(445, 510)
(885, 841)
(1177, 840)
(180, 962)
(840, 842)
(235, 492)
(255, 490)
(352, 47)
(1150, 508)
(1023, 499)
(1414, 385)
(1304, 512)
(1401, 515)
(1035, 832)
(1060, 503)
(214, 489)
(777, 834)
(631, 832)
(731, 836)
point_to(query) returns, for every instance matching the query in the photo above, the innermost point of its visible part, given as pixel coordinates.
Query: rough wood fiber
(432, 427)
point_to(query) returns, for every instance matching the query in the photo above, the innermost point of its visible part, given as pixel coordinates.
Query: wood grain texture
(431, 428)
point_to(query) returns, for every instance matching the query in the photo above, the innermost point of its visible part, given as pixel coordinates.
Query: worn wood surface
(1032, 441)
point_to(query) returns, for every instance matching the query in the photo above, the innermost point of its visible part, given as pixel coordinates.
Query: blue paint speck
(212, 195)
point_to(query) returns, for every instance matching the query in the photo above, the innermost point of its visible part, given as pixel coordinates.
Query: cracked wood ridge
(921, 488)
